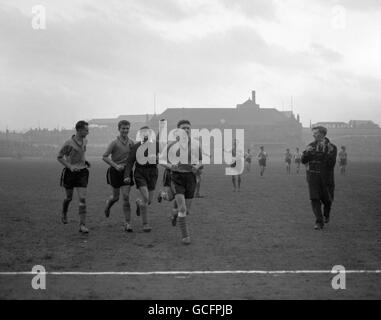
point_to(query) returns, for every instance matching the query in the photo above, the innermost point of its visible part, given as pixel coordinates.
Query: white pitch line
(149, 273)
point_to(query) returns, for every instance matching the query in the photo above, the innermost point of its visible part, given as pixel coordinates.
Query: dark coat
(320, 162)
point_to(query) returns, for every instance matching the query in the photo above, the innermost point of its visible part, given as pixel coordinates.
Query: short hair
(181, 122)
(321, 129)
(123, 123)
(144, 127)
(80, 125)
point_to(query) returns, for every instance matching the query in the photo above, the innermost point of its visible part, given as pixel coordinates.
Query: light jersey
(342, 155)
(119, 150)
(298, 156)
(74, 153)
(194, 156)
(288, 157)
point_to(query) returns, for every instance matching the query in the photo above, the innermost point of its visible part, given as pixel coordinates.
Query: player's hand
(127, 180)
(87, 163)
(119, 167)
(309, 149)
(73, 169)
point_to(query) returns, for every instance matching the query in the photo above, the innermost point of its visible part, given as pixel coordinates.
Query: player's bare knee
(114, 198)
(182, 209)
(145, 200)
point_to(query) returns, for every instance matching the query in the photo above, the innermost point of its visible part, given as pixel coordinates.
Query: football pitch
(268, 226)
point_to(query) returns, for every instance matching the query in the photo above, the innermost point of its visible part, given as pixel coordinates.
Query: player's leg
(343, 168)
(327, 200)
(316, 208)
(262, 170)
(82, 192)
(174, 213)
(143, 202)
(234, 183)
(165, 193)
(198, 185)
(182, 213)
(112, 200)
(169, 195)
(65, 205)
(126, 207)
(327, 210)
(188, 204)
(239, 182)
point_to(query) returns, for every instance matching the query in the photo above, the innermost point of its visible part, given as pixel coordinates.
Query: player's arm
(106, 157)
(64, 152)
(87, 163)
(130, 161)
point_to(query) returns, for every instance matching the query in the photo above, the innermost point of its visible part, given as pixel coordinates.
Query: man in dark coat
(320, 159)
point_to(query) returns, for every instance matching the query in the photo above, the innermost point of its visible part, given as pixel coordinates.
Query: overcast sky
(99, 59)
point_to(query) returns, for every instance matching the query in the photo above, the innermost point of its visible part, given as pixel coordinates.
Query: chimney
(253, 96)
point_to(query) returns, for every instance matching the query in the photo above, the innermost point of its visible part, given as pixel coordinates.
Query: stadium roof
(233, 116)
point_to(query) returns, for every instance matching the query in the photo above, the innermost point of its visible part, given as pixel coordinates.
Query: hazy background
(106, 58)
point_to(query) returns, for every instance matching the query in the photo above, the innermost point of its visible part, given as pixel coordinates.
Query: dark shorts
(184, 183)
(70, 180)
(343, 162)
(248, 160)
(262, 162)
(288, 161)
(298, 161)
(146, 177)
(167, 178)
(115, 178)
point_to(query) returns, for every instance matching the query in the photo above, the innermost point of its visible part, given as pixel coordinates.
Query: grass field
(267, 226)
